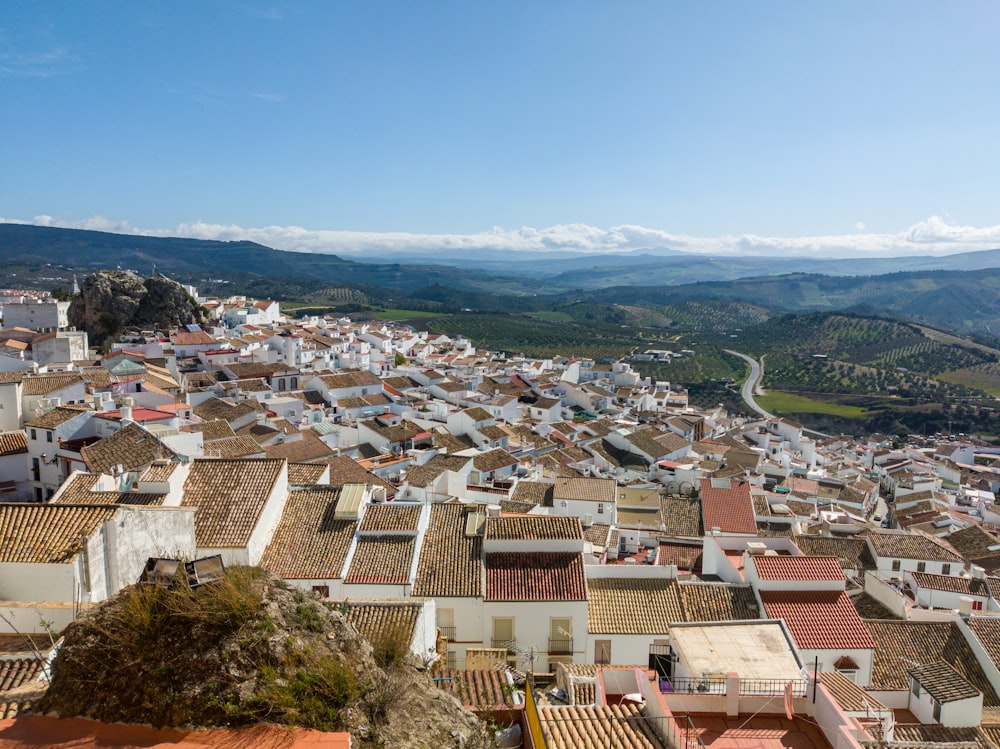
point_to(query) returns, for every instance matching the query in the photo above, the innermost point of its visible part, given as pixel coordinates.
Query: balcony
(507, 645)
(448, 633)
(560, 645)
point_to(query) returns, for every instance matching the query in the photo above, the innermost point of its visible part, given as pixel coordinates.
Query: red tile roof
(535, 577)
(818, 620)
(730, 510)
(802, 568)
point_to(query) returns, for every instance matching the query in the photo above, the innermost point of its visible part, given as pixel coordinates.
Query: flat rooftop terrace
(759, 732)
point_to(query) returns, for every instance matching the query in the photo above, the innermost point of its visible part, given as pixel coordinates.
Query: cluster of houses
(559, 521)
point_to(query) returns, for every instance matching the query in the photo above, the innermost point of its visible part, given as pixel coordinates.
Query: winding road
(750, 384)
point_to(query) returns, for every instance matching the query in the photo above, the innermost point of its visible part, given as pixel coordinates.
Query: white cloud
(935, 236)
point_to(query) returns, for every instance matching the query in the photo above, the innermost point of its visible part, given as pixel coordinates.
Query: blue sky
(825, 128)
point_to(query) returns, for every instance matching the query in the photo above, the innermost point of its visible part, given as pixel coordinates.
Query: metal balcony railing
(560, 645)
(448, 633)
(509, 645)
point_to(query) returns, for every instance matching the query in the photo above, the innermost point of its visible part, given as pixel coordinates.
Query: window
(895, 565)
(977, 605)
(921, 566)
(600, 508)
(503, 632)
(34, 434)
(322, 590)
(945, 569)
(937, 710)
(914, 687)
(602, 652)
(48, 436)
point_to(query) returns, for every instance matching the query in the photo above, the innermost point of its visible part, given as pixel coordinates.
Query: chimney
(126, 411)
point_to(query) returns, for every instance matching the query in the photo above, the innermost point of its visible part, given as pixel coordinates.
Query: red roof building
(819, 619)
(727, 506)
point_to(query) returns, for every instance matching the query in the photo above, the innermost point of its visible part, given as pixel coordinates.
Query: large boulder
(244, 650)
(106, 303)
(113, 300)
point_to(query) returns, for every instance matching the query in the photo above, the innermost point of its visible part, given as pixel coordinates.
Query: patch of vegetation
(402, 314)
(243, 650)
(788, 403)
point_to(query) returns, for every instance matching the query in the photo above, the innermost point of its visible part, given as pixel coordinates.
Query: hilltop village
(668, 576)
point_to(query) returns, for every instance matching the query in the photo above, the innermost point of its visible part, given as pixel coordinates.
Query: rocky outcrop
(245, 650)
(111, 301)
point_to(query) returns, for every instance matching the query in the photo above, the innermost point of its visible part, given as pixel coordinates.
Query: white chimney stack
(126, 410)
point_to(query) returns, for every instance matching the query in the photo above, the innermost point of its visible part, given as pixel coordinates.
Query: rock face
(112, 300)
(244, 651)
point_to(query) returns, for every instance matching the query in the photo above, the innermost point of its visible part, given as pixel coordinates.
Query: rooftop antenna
(529, 654)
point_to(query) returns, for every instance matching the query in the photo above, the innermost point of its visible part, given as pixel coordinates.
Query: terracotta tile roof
(385, 560)
(545, 576)
(216, 429)
(943, 682)
(346, 470)
(390, 517)
(718, 602)
(903, 545)
(818, 620)
(934, 735)
(43, 384)
(868, 608)
(405, 430)
(682, 517)
(377, 621)
(987, 631)
(17, 672)
(188, 338)
(685, 554)
(493, 460)
(230, 496)
(423, 475)
(573, 727)
(234, 447)
(584, 693)
(48, 534)
(305, 474)
(962, 585)
(852, 553)
(597, 533)
(309, 448)
(973, 542)
(13, 443)
(55, 417)
(350, 378)
(632, 606)
(451, 442)
(802, 568)
(80, 491)
(533, 527)
(730, 510)
(450, 562)
(848, 695)
(585, 489)
(520, 508)
(631, 518)
(476, 689)
(131, 447)
(308, 543)
(216, 408)
(901, 645)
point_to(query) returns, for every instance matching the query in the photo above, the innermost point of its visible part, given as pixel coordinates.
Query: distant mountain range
(955, 292)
